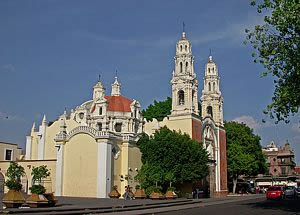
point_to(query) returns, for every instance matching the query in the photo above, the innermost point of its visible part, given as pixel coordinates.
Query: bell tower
(212, 100)
(184, 83)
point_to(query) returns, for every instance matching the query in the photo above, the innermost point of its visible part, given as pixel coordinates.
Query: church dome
(118, 104)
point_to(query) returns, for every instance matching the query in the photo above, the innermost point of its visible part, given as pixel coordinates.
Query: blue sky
(53, 51)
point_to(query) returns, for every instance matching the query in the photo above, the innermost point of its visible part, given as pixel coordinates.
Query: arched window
(100, 111)
(180, 97)
(185, 47)
(99, 126)
(180, 66)
(209, 86)
(213, 69)
(214, 86)
(118, 127)
(181, 48)
(208, 70)
(186, 66)
(209, 111)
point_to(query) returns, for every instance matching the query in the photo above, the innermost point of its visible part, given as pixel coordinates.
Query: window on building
(186, 66)
(214, 86)
(8, 154)
(209, 111)
(181, 97)
(274, 159)
(283, 171)
(100, 111)
(275, 170)
(118, 127)
(186, 48)
(180, 66)
(99, 126)
(209, 86)
(282, 160)
(208, 70)
(81, 115)
(180, 48)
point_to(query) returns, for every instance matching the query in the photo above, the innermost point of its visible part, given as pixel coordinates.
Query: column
(28, 147)
(59, 169)
(125, 165)
(104, 169)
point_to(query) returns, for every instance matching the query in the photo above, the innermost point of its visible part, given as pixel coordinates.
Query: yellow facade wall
(181, 123)
(49, 182)
(80, 166)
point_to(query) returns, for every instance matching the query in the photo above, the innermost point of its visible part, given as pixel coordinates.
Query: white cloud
(249, 121)
(8, 68)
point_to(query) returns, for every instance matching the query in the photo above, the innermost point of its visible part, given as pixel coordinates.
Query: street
(259, 206)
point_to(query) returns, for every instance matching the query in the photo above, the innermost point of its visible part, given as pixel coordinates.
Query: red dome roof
(118, 103)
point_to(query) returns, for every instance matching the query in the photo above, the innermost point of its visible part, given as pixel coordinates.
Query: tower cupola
(116, 88)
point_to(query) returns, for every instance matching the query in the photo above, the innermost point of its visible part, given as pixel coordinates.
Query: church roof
(118, 103)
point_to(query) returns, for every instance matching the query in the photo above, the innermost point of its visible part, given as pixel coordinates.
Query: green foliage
(170, 156)
(244, 152)
(38, 189)
(172, 189)
(13, 185)
(160, 109)
(38, 173)
(14, 174)
(276, 43)
(152, 189)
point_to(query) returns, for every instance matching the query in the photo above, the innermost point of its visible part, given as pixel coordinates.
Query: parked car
(274, 192)
(298, 192)
(289, 192)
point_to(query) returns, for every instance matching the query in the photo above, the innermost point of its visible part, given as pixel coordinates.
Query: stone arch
(2, 182)
(82, 130)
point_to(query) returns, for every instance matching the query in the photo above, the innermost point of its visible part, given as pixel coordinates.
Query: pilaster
(104, 180)
(28, 147)
(59, 169)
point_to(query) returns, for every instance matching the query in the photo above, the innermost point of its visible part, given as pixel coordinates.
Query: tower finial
(210, 52)
(99, 77)
(183, 30)
(116, 73)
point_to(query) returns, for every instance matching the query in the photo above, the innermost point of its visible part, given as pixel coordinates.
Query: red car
(274, 192)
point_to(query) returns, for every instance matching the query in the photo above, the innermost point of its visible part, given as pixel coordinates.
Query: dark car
(298, 192)
(289, 192)
(274, 192)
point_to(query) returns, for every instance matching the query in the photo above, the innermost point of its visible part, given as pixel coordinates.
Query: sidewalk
(73, 205)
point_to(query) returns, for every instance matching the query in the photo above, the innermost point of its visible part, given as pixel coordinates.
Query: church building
(93, 147)
(205, 127)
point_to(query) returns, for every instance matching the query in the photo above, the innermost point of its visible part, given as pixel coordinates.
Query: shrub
(13, 185)
(14, 174)
(38, 189)
(151, 189)
(172, 189)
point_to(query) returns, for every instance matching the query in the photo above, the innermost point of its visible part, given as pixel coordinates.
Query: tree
(39, 173)
(14, 174)
(160, 110)
(277, 48)
(244, 152)
(171, 157)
